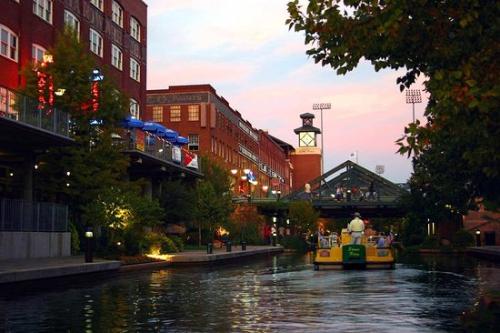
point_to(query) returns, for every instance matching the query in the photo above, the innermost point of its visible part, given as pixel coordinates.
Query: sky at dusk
(246, 52)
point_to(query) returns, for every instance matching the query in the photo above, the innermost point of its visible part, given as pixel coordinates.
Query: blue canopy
(181, 141)
(130, 122)
(169, 135)
(154, 127)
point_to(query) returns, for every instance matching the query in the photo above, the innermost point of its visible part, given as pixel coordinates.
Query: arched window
(9, 47)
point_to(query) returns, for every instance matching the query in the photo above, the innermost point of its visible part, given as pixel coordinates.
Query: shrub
(462, 239)
(431, 242)
(294, 243)
(179, 243)
(168, 245)
(75, 239)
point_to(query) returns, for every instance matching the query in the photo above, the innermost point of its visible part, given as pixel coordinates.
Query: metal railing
(156, 147)
(21, 215)
(25, 110)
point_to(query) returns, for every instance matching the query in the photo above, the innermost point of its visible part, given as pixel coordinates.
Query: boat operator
(356, 227)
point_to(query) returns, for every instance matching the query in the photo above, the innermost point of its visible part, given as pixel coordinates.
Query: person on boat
(382, 245)
(356, 227)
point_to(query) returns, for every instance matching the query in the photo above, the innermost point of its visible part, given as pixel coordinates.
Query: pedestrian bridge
(348, 188)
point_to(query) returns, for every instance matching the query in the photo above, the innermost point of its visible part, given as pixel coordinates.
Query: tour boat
(338, 252)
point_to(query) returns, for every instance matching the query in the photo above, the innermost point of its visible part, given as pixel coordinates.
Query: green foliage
(213, 199)
(431, 242)
(303, 215)
(179, 243)
(178, 200)
(294, 243)
(462, 239)
(75, 239)
(454, 46)
(247, 225)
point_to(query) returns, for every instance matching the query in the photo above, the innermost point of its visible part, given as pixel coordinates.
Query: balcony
(25, 111)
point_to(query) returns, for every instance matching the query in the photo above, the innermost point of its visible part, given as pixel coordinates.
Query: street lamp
(321, 107)
(413, 97)
(478, 237)
(89, 236)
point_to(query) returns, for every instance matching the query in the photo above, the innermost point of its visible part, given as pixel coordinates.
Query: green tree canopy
(454, 46)
(303, 215)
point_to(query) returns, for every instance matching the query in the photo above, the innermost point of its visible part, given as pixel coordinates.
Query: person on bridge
(356, 227)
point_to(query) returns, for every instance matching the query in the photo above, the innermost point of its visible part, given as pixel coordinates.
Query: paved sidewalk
(42, 268)
(485, 252)
(221, 254)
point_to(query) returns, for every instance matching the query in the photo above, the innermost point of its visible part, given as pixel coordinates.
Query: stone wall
(24, 245)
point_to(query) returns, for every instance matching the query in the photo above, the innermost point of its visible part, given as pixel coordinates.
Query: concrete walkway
(485, 252)
(42, 268)
(191, 257)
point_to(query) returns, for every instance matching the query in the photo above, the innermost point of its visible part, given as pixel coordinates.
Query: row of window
(44, 10)
(9, 46)
(175, 113)
(8, 101)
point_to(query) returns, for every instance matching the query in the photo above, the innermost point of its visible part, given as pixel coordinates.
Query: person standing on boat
(356, 227)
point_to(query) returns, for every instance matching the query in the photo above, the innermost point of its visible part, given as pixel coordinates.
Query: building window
(43, 9)
(98, 4)
(116, 57)
(72, 23)
(95, 42)
(7, 103)
(117, 14)
(37, 53)
(158, 114)
(135, 70)
(193, 112)
(175, 113)
(134, 108)
(8, 46)
(194, 142)
(135, 29)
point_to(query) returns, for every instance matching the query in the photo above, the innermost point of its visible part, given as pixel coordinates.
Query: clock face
(307, 139)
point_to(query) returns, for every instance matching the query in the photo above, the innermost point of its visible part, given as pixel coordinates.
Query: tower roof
(307, 115)
(307, 129)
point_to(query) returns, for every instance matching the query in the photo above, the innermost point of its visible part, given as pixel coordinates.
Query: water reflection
(280, 293)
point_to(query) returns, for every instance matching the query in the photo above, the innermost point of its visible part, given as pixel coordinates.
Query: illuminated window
(116, 57)
(158, 114)
(8, 43)
(43, 9)
(193, 112)
(95, 42)
(71, 22)
(37, 53)
(175, 113)
(134, 108)
(98, 4)
(7, 103)
(135, 70)
(135, 29)
(117, 14)
(194, 141)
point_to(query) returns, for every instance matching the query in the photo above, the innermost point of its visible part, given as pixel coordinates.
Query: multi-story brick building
(215, 129)
(113, 30)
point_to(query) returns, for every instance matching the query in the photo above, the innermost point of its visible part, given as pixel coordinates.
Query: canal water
(274, 294)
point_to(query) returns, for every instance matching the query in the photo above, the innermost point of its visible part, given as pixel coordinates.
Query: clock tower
(306, 159)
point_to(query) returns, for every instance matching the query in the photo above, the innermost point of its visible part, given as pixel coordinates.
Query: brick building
(215, 129)
(115, 32)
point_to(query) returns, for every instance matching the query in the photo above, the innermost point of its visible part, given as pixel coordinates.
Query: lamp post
(321, 107)
(274, 231)
(413, 97)
(89, 236)
(478, 237)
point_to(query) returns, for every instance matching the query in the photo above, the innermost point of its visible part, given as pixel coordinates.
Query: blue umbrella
(153, 127)
(181, 141)
(169, 135)
(130, 122)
